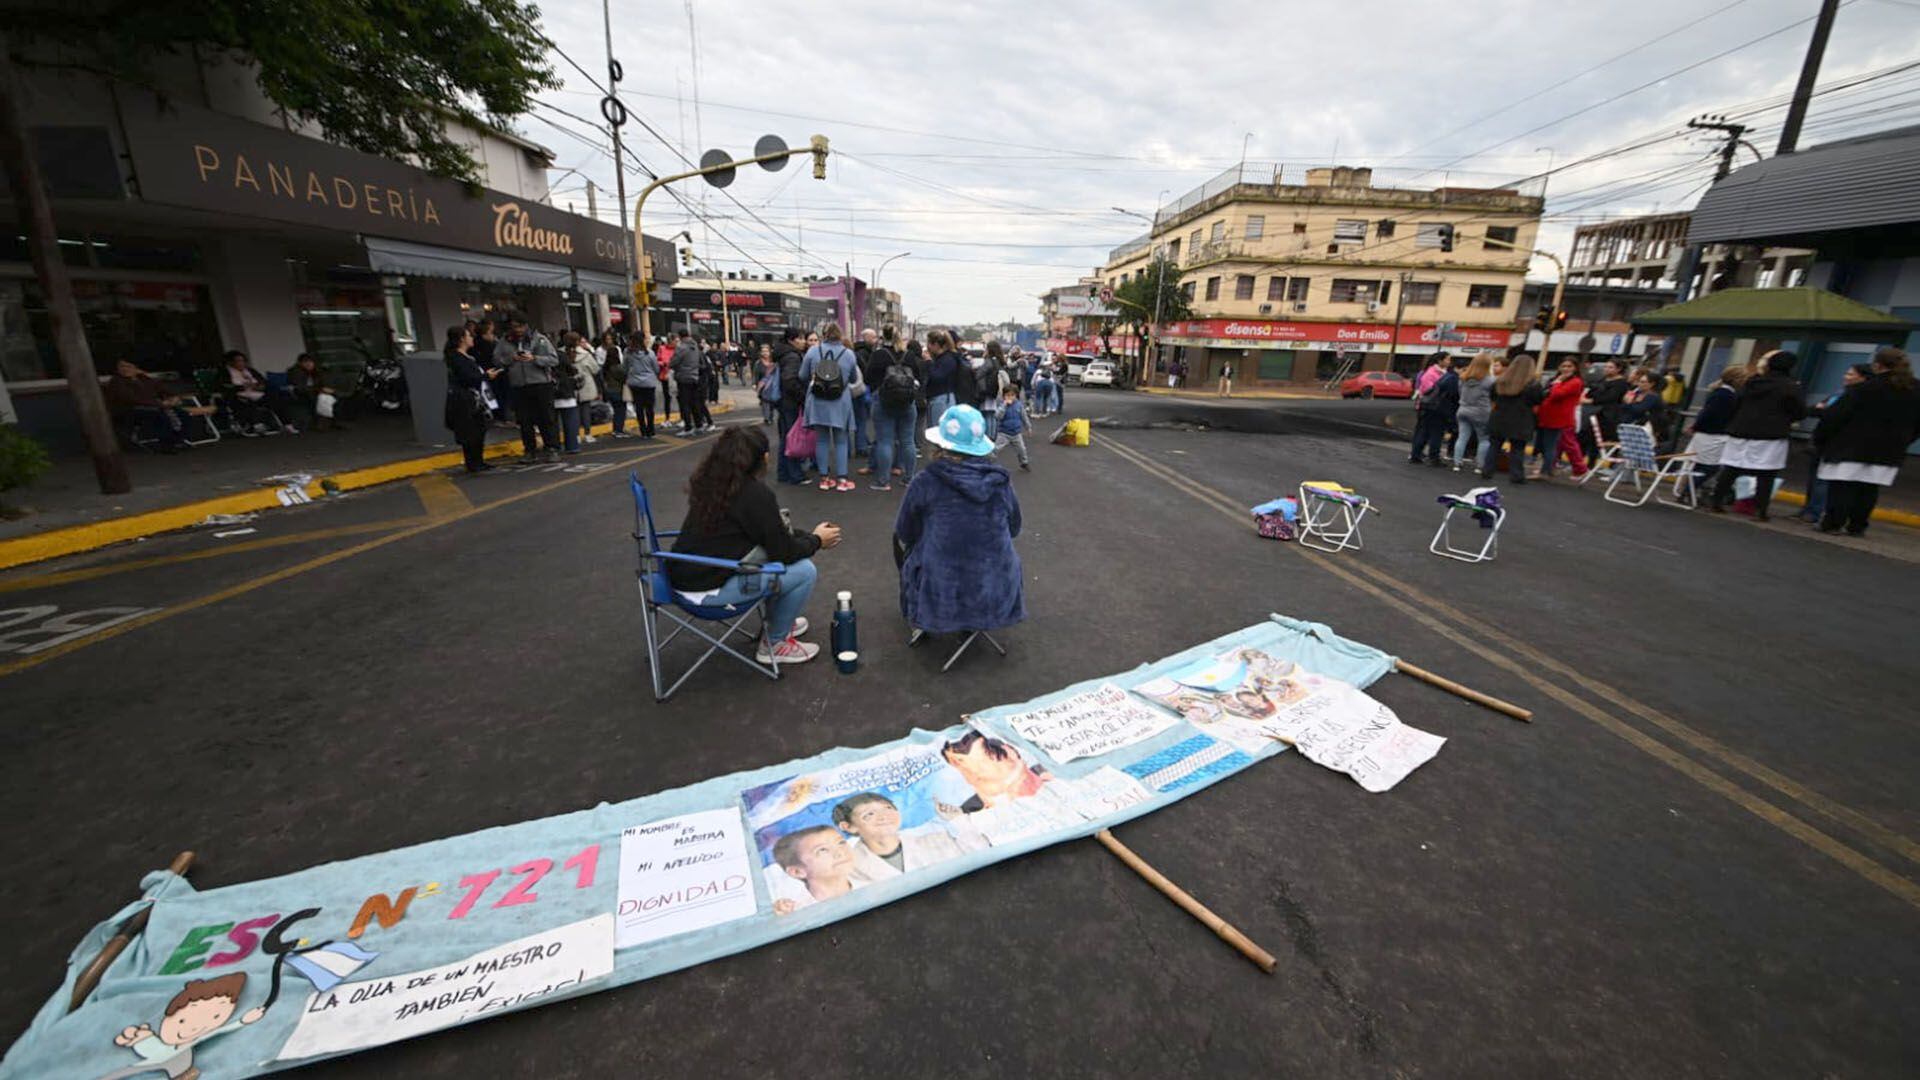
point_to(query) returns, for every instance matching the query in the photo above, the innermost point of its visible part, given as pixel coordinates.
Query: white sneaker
(800, 626)
(788, 652)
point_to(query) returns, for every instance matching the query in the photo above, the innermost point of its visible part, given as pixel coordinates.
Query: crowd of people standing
(1743, 429)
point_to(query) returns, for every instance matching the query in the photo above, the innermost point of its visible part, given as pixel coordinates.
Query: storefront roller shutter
(426, 260)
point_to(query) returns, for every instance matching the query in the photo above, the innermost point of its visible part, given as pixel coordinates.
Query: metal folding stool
(1638, 456)
(1443, 544)
(920, 635)
(1330, 517)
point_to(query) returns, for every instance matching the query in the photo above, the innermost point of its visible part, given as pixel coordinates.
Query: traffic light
(686, 258)
(1542, 319)
(819, 150)
(643, 293)
(1446, 238)
(1559, 319)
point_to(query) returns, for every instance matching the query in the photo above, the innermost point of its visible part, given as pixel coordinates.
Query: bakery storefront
(189, 232)
(1275, 353)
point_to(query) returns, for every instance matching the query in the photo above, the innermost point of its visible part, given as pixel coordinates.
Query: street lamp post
(1159, 285)
(874, 287)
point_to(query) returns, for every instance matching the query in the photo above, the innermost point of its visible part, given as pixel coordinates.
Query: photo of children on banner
(826, 834)
(1249, 699)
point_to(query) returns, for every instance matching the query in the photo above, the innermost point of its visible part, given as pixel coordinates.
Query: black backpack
(828, 380)
(614, 372)
(898, 387)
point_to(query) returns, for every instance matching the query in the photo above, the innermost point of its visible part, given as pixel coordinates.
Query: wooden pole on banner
(89, 978)
(1474, 696)
(1261, 957)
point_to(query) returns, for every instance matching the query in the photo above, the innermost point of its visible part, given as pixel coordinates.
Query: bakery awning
(1798, 314)
(428, 260)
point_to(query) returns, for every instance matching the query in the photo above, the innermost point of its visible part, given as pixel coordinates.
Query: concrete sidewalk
(64, 512)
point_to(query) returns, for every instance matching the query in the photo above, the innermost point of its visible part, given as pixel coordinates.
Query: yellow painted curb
(74, 539)
(1892, 517)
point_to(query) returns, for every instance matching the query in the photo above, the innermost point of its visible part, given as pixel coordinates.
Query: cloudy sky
(994, 139)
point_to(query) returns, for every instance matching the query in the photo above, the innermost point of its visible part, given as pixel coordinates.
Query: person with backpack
(831, 373)
(689, 382)
(863, 405)
(787, 360)
(896, 413)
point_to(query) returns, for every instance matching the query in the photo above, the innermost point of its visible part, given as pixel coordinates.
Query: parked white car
(1098, 373)
(1077, 366)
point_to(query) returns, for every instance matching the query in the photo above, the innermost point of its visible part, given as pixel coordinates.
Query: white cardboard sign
(683, 873)
(1097, 722)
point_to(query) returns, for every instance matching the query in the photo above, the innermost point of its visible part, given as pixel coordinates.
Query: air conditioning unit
(1266, 309)
(1373, 305)
(1299, 306)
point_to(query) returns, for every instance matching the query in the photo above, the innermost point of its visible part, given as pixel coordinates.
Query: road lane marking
(68, 577)
(14, 667)
(440, 496)
(1836, 849)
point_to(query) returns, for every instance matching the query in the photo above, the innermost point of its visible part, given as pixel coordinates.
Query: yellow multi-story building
(1297, 282)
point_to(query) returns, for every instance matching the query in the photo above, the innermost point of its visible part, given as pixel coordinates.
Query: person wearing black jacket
(896, 412)
(1606, 398)
(1757, 435)
(943, 366)
(793, 397)
(1435, 413)
(1863, 439)
(1709, 428)
(863, 401)
(1515, 395)
(467, 415)
(732, 514)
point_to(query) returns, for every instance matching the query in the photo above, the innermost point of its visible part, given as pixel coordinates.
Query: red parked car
(1372, 384)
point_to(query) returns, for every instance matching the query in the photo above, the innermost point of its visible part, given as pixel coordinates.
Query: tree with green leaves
(380, 76)
(1153, 293)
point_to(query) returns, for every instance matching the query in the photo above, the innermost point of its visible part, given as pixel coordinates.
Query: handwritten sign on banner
(1097, 722)
(356, 1015)
(1346, 730)
(683, 873)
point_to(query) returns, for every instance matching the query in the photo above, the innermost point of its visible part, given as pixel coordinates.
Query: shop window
(1486, 296)
(1256, 226)
(1422, 293)
(1501, 237)
(1356, 291)
(1350, 231)
(161, 326)
(1243, 287)
(1213, 288)
(1383, 228)
(144, 253)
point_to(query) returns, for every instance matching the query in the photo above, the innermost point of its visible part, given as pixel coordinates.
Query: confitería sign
(188, 156)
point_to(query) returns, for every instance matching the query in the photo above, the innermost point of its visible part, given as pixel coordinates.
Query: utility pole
(1399, 313)
(616, 115)
(1809, 71)
(63, 315)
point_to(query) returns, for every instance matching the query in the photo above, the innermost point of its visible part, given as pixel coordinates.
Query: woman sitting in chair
(732, 514)
(956, 525)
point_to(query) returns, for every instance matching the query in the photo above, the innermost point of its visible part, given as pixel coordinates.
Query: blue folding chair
(658, 597)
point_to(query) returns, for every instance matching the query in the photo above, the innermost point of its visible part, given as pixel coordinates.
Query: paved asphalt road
(1698, 860)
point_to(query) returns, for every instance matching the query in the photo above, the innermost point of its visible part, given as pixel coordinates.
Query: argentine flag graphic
(328, 965)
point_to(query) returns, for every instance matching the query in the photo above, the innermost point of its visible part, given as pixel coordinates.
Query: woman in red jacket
(1557, 422)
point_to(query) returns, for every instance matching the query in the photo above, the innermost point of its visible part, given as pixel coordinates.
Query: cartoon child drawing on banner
(197, 1013)
(881, 850)
(818, 857)
(996, 772)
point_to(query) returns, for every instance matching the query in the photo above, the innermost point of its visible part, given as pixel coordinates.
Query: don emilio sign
(192, 157)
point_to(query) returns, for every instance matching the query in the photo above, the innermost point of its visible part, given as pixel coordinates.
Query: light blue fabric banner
(268, 975)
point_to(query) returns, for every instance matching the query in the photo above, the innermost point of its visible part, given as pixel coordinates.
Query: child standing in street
(1013, 425)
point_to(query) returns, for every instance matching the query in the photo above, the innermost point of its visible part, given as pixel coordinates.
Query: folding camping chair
(1638, 457)
(1490, 517)
(658, 597)
(1608, 460)
(919, 635)
(1330, 516)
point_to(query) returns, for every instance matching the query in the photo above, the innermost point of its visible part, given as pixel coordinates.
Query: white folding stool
(1443, 544)
(1330, 517)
